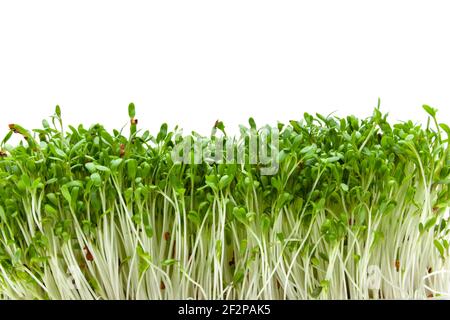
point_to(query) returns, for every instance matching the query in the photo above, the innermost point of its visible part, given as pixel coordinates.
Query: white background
(193, 62)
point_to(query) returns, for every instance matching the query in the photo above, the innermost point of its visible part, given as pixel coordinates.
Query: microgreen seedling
(89, 214)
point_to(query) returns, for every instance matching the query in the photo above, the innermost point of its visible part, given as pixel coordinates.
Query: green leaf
(332, 159)
(308, 149)
(252, 123)
(238, 276)
(282, 156)
(2, 214)
(102, 168)
(78, 145)
(320, 205)
(148, 230)
(116, 163)
(430, 223)
(431, 111)
(219, 125)
(26, 181)
(162, 133)
(219, 249)
(96, 179)
(21, 186)
(50, 210)
(131, 110)
(132, 168)
(265, 223)
(243, 246)
(440, 247)
(74, 195)
(324, 256)
(7, 137)
(250, 216)
(316, 292)
(324, 284)
(284, 199)
(240, 214)
(446, 128)
(145, 260)
(194, 217)
(224, 182)
(91, 167)
(344, 187)
(75, 183)
(58, 111)
(296, 126)
(52, 197)
(280, 237)
(66, 194)
(60, 153)
(168, 262)
(315, 261)
(211, 181)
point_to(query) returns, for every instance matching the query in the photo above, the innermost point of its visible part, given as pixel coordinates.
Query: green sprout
(90, 214)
